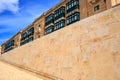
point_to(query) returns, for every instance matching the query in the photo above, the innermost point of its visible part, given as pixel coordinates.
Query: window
(24, 35)
(39, 25)
(60, 13)
(30, 32)
(73, 18)
(49, 30)
(59, 24)
(26, 41)
(49, 19)
(9, 46)
(38, 36)
(96, 8)
(72, 5)
(27, 36)
(30, 39)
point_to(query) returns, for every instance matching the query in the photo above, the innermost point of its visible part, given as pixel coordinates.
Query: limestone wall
(0, 49)
(115, 2)
(86, 50)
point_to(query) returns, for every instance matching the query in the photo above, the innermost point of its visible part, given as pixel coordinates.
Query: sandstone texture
(86, 50)
(8, 72)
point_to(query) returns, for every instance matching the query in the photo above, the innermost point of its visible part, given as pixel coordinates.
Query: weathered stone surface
(0, 49)
(86, 50)
(8, 72)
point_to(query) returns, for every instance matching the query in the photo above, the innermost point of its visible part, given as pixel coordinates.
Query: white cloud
(11, 5)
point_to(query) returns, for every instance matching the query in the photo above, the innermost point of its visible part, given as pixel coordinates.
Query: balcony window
(25, 35)
(60, 13)
(49, 19)
(73, 18)
(49, 30)
(9, 46)
(59, 24)
(26, 41)
(30, 32)
(72, 5)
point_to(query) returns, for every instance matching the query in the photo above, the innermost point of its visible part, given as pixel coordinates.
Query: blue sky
(15, 15)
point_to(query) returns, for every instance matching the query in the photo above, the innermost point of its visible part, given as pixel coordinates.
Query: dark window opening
(38, 36)
(105, 1)
(97, 8)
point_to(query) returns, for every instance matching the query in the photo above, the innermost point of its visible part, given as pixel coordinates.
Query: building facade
(64, 13)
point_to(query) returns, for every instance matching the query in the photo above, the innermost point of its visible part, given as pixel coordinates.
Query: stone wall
(86, 50)
(0, 49)
(114, 2)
